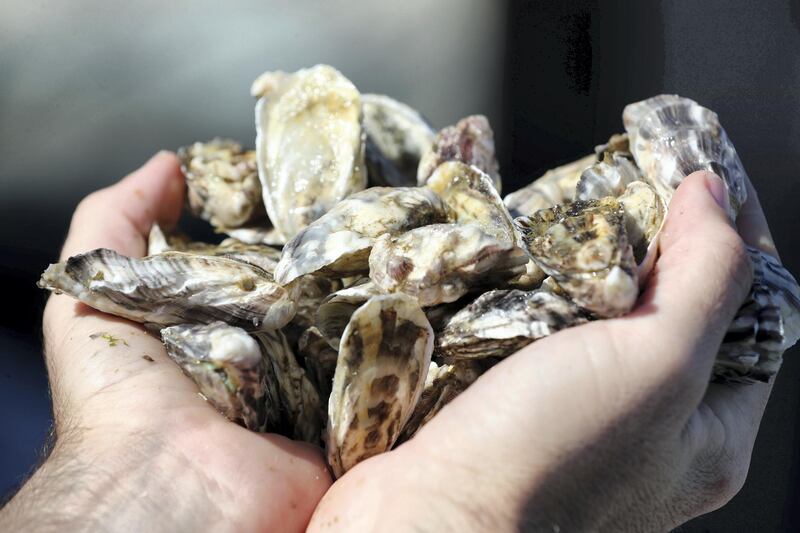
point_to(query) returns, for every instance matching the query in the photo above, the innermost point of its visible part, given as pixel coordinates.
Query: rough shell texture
(259, 255)
(319, 359)
(335, 311)
(470, 141)
(439, 263)
(173, 288)
(256, 235)
(501, 322)
(442, 385)
(383, 360)
(303, 409)
(230, 370)
(222, 183)
(584, 246)
(397, 136)
(309, 144)
(472, 198)
(338, 243)
(554, 187)
(767, 324)
(671, 137)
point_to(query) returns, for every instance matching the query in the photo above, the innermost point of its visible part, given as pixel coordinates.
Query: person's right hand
(608, 426)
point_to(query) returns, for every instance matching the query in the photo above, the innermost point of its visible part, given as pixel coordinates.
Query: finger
(701, 277)
(752, 224)
(119, 217)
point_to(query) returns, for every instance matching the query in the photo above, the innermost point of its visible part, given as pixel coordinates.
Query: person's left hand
(137, 448)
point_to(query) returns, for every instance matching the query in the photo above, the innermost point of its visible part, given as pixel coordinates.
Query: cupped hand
(137, 448)
(608, 426)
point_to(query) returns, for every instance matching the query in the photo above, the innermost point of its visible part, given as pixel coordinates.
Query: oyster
(319, 359)
(472, 198)
(471, 141)
(173, 288)
(554, 187)
(309, 144)
(222, 183)
(644, 216)
(671, 137)
(256, 235)
(230, 370)
(384, 357)
(441, 262)
(338, 243)
(302, 407)
(309, 292)
(608, 177)
(397, 136)
(766, 325)
(618, 143)
(261, 256)
(334, 313)
(442, 385)
(584, 247)
(500, 322)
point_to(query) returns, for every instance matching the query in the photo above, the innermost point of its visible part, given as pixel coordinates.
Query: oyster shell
(472, 198)
(256, 235)
(309, 144)
(261, 256)
(335, 311)
(441, 262)
(319, 359)
(222, 183)
(442, 385)
(671, 137)
(554, 187)
(397, 136)
(608, 177)
(338, 243)
(618, 143)
(767, 324)
(644, 216)
(500, 322)
(230, 370)
(173, 288)
(302, 407)
(584, 247)
(384, 357)
(471, 141)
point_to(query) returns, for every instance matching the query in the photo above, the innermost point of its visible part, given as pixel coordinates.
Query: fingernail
(718, 190)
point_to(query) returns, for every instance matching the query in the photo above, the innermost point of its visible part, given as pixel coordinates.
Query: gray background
(90, 89)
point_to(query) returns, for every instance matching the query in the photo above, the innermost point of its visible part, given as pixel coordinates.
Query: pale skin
(607, 426)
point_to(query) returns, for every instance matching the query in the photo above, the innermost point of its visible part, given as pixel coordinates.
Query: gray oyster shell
(309, 144)
(671, 137)
(335, 311)
(442, 385)
(440, 263)
(222, 183)
(644, 216)
(256, 235)
(230, 370)
(383, 360)
(584, 247)
(259, 255)
(608, 177)
(554, 187)
(338, 243)
(319, 359)
(471, 141)
(500, 322)
(173, 288)
(472, 198)
(767, 324)
(397, 136)
(302, 408)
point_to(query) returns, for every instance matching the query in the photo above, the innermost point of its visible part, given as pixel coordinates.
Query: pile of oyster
(372, 271)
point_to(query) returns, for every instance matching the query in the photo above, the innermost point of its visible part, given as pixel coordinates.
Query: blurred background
(90, 89)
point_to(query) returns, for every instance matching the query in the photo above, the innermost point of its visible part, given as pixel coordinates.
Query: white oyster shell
(309, 144)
